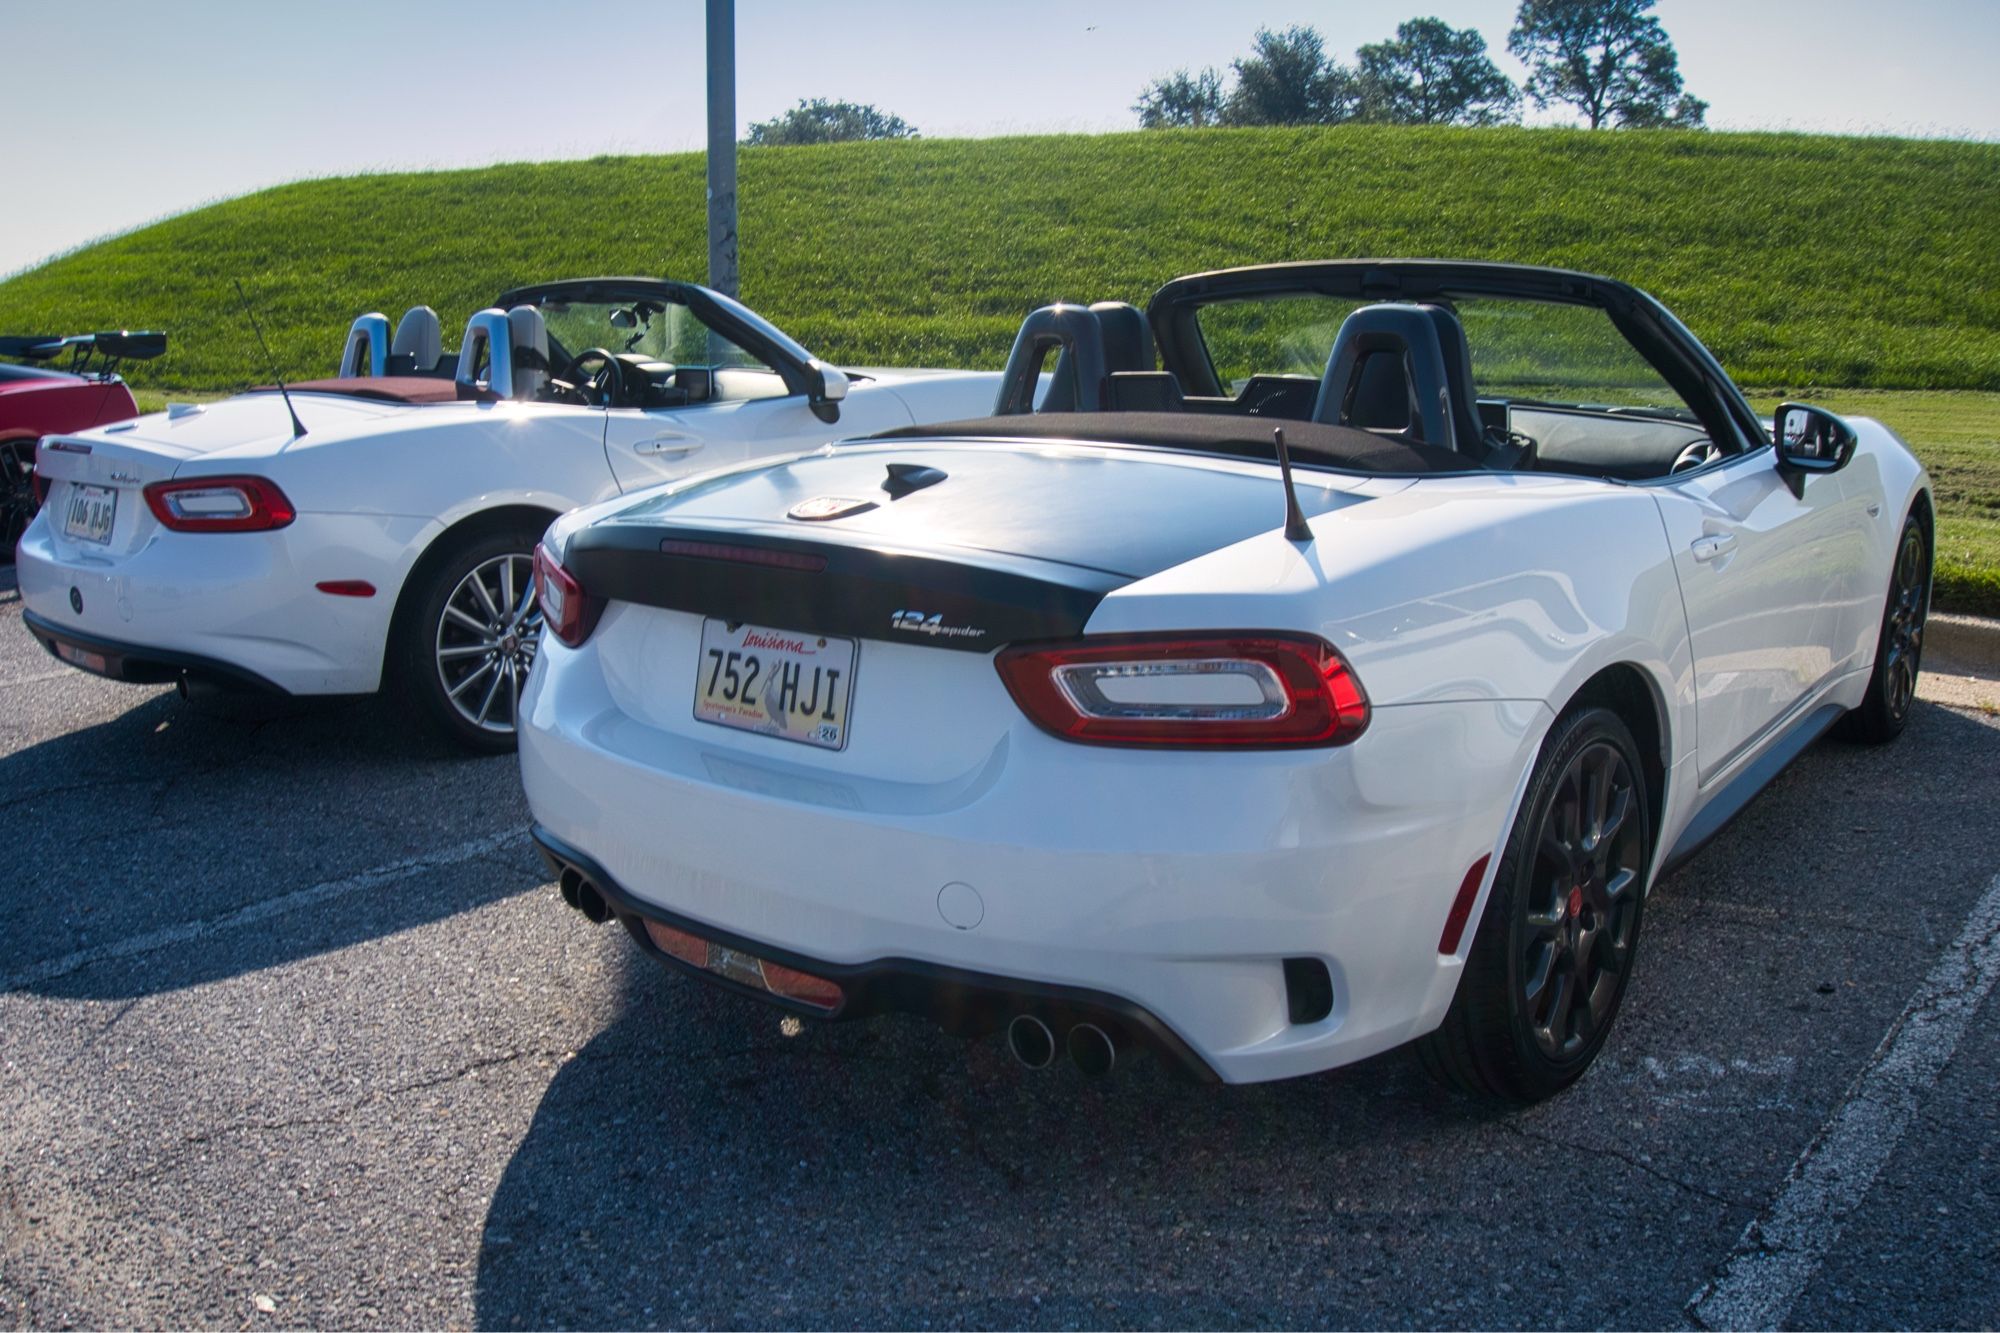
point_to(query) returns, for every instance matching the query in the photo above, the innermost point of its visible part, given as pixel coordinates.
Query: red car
(36, 400)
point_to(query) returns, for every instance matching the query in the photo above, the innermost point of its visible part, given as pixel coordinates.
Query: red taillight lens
(1198, 691)
(568, 612)
(219, 504)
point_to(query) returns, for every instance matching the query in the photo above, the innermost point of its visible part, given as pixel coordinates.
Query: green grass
(1800, 259)
(1843, 263)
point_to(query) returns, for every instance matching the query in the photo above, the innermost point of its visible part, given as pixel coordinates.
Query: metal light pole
(722, 146)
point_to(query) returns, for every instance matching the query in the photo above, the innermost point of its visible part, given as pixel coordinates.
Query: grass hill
(1805, 262)
(1802, 260)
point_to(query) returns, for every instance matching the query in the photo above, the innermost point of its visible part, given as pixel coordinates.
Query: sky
(126, 111)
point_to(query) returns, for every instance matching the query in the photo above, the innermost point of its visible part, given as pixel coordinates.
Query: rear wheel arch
(501, 518)
(1631, 691)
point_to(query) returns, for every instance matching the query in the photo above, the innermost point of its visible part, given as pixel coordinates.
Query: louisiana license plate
(775, 682)
(91, 509)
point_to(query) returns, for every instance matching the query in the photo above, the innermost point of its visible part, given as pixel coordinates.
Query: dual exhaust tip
(581, 894)
(1091, 1048)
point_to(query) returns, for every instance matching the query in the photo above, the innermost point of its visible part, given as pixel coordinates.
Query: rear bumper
(136, 664)
(961, 1001)
(238, 607)
(1178, 886)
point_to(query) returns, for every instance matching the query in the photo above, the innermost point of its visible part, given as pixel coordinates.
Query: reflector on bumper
(745, 969)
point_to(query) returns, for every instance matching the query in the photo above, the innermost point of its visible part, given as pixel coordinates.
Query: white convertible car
(377, 528)
(1344, 677)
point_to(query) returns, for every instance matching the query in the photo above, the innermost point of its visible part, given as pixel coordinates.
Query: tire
(460, 654)
(18, 502)
(1899, 648)
(1565, 908)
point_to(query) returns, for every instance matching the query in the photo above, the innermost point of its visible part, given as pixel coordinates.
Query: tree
(1610, 59)
(1181, 101)
(1287, 80)
(1434, 74)
(821, 121)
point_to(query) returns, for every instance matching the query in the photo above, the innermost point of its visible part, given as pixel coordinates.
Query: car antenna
(298, 427)
(1295, 517)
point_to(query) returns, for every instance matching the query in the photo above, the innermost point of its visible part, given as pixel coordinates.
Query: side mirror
(826, 399)
(1811, 439)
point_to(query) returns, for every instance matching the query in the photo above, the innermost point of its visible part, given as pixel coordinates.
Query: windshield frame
(721, 314)
(1652, 330)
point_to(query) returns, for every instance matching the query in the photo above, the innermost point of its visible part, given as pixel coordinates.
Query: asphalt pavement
(294, 1031)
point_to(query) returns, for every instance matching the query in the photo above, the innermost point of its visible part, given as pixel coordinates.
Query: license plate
(91, 509)
(775, 682)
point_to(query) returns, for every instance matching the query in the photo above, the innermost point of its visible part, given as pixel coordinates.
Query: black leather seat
(1403, 370)
(1093, 344)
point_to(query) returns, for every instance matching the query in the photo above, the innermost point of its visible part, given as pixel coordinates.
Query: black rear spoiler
(115, 345)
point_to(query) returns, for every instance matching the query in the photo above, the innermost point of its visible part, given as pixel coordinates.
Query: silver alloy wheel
(486, 641)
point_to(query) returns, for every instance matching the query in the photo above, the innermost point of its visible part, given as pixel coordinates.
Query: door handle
(667, 446)
(1713, 545)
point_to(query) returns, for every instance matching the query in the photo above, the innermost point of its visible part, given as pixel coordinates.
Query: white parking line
(1780, 1252)
(248, 915)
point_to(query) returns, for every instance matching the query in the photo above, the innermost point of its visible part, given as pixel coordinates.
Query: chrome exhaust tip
(1092, 1050)
(1031, 1042)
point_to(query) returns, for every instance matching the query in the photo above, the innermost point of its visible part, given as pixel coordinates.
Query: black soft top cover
(1311, 444)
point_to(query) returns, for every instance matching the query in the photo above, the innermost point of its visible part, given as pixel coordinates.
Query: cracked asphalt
(293, 1031)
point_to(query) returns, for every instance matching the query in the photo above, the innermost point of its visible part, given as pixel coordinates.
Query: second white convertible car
(1345, 679)
(378, 527)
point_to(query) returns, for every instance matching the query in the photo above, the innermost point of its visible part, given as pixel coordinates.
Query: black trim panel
(959, 1000)
(137, 665)
(862, 592)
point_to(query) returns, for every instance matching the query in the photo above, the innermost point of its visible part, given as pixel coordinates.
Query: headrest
(1077, 334)
(1407, 335)
(420, 337)
(1128, 339)
(530, 339)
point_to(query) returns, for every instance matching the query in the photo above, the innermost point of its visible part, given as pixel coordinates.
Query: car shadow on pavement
(137, 841)
(693, 1165)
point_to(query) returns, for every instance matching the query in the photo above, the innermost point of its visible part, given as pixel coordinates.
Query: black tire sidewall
(415, 678)
(1874, 722)
(1505, 1046)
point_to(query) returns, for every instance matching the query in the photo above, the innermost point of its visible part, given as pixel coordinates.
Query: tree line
(1609, 59)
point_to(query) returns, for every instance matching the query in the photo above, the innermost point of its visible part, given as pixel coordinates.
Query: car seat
(419, 343)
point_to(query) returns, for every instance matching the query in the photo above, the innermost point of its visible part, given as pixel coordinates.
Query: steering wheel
(1699, 454)
(606, 386)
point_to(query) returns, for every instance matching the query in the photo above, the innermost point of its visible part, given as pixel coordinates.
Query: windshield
(660, 330)
(1521, 351)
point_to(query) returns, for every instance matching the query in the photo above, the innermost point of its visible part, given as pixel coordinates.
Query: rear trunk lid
(903, 566)
(957, 546)
(96, 479)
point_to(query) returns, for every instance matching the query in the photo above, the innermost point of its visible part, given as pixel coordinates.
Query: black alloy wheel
(1555, 946)
(1581, 907)
(1899, 652)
